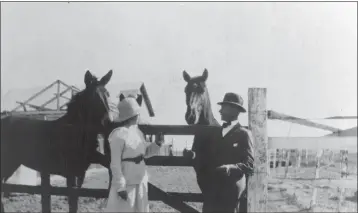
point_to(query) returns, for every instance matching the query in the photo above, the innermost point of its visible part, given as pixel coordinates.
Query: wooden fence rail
(343, 144)
(313, 143)
(96, 193)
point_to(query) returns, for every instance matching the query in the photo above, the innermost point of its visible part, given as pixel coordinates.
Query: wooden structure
(257, 185)
(43, 111)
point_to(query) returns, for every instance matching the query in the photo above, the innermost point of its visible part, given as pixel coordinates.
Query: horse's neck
(77, 119)
(207, 116)
(209, 119)
(86, 127)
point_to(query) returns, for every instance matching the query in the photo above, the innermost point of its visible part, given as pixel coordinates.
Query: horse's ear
(205, 74)
(186, 76)
(139, 100)
(88, 78)
(105, 79)
(121, 97)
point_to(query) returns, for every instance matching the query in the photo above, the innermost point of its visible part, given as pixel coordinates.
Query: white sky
(305, 54)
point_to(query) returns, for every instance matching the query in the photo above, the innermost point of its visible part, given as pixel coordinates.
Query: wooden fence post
(257, 184)
(315, 189)
(274, 161)
(306, 157)
(287, 162)
(344, 172)
(45, 192)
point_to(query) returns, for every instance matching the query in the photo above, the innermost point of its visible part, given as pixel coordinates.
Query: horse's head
(91, 106)
(197, 99)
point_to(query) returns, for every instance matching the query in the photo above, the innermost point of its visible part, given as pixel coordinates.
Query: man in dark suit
(232, 157)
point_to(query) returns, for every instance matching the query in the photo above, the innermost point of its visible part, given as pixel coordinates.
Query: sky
(305, 54)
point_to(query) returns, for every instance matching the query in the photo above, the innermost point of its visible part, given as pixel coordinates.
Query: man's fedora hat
(233, 99)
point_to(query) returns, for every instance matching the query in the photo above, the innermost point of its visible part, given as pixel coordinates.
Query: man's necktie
(226, 124)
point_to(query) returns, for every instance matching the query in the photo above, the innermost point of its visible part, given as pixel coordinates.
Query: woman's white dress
(128, 143)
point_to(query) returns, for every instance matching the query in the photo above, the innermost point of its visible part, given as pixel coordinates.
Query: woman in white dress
(129, 190)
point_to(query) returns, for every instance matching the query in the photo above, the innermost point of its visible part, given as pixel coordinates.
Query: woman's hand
(159, 139)
(123, 195)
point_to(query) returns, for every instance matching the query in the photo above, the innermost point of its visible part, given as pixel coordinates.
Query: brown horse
(66, 146)
(199, 112)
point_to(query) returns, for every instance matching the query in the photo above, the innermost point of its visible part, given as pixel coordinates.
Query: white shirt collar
(233, 123)
(228, 128)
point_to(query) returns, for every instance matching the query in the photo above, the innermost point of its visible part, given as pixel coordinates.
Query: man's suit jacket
(236, 149)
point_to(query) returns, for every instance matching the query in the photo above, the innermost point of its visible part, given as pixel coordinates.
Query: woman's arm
(117, 141)
(151, 149)
(154, 147)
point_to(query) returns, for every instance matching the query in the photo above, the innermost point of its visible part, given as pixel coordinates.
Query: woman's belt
(135, 160)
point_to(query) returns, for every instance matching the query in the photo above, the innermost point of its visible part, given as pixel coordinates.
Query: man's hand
(188, 154)
(225, 168)
(123, 195)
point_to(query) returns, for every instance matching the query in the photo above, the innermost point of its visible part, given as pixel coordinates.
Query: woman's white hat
(127, 109)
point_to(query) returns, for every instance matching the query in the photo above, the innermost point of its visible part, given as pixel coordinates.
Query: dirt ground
(291, 194)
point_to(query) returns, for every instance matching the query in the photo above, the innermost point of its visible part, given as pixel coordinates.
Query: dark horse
(66, 146)
(199, 112)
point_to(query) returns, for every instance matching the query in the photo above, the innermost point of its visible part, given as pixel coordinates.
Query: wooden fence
(257, 185)
(342, 144)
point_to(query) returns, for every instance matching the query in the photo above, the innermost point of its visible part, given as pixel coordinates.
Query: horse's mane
(207, 111)
(74, 108)
(73, 105)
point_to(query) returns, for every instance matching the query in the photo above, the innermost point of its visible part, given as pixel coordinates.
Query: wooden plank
(342, 117)
(344, 133)
(143, 90)
(45, 192)
(24, 107)
(257, 184)
(66, 85)
(54, 98)
(279, 116)
(49, 112)
(95, 193)
(175, 129)
(33, 106)
(75, 89)
(171, 200)
(64, 97)
(332, 143)
(34, 96)
(168, 161)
